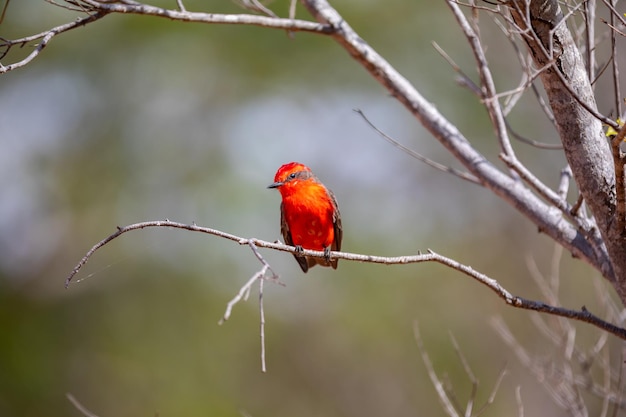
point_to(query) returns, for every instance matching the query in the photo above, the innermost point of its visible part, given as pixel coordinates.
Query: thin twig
(518, 400)
(465, 79)
(616, 82)
(292, 9)
(4, 10)
(256, 6)
(494, 391)
(549, 56)
(470, 375)
(79, 406)
(532, 142)
(216, 18)
(274, 278)
(46, 37)
(244, 293)
(71, 6)
(583, 314)
(611, 6)
(590, 24)
(262, 326)
(583, 225)
(434, 379)
(524, 61)
(463, 175)
(566, 177)
(494, 109)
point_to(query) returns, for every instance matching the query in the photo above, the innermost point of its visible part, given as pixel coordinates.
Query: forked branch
(519, 302)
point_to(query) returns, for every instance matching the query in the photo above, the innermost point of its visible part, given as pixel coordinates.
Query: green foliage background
(136, 118)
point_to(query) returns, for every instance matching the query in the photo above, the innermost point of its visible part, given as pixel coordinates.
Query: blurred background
(135, 118)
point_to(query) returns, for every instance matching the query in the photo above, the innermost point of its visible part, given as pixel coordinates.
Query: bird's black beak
(275, 185)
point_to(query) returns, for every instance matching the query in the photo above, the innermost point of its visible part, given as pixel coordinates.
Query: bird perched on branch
(309, 215)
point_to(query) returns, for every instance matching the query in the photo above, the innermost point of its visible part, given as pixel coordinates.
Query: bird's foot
(327, 254)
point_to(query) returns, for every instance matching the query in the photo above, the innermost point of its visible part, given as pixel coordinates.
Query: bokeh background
(136, 118)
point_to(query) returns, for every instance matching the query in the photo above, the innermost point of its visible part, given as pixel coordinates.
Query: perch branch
(515, 301)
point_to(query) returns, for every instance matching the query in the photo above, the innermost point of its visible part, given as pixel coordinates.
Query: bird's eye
(292, 175)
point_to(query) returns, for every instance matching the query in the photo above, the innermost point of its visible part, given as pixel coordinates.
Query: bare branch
(590, 24)
(470, 375)
(488, 86)
(566, 176)
(244, 293)
(518, 302)
(544, 53)
(571, 372)
(494, 391)
(262, 326)
(617, 91)
(524, 61)
(610, 4)
(465, 80)
(293, 25)
(46, 37)
(99, 9)
(444, 388)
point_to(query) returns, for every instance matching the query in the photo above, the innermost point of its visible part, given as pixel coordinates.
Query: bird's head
(289, 175)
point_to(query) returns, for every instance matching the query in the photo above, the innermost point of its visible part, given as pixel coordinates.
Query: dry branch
(519, 302)
(99, 9)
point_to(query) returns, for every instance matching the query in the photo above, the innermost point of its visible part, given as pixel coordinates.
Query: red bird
(309, 216)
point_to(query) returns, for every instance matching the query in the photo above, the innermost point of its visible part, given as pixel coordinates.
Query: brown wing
(284, 229)
(336, 245)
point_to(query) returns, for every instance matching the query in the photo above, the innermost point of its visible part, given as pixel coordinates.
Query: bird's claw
(327, 254)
